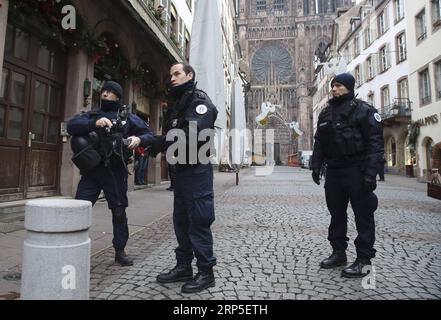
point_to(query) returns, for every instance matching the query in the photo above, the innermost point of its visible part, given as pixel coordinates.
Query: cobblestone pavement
(270, 236)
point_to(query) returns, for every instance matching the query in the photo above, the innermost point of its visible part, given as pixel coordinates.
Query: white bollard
(56, 252)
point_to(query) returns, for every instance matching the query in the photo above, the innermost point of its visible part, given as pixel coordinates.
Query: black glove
(369, 184)
(316, 176)
(156, 146)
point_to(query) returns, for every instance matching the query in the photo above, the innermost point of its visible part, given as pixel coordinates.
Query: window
(436, 13)
(438, 79)
(3, 79)
(385, 97)
(382, 23)
(371, 98)
(401, 47)
(174, 26)
(354, 24)
(181, 33)
(369, 68)
(187, 45)
(22, 45)
(403, 89)
(358, 76)
(261, 5)
(279, 4)
(384, 63)
(399, 10)
(421, 29)
(346, 52)
(424, 84)
(306, 7)
(367, 37)
(357, 45)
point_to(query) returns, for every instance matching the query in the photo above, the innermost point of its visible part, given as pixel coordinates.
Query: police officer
(193, 211)
(108, 171)
(349, 142)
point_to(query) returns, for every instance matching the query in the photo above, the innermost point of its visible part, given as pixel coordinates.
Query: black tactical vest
(339, 133)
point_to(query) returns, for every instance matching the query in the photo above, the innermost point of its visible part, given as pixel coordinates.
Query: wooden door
(30, 114)
(43, 138)
(14, 100)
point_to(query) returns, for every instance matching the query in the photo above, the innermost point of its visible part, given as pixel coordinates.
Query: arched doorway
(436, 156)
(429, 146)
(409, 158)
(391, 151)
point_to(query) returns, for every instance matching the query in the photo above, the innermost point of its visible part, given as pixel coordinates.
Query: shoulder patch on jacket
(377, 117)
(201, 109)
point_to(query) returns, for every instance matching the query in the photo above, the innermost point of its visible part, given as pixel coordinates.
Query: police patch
(377, 117)
(201, 109)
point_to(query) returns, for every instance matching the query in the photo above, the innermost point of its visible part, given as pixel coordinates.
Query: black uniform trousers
(113, 181)
(341, 186)
(172, 174)
(193, 214)
(381, 170)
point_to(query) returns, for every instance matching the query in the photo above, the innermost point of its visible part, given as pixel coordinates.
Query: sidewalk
(145, 207)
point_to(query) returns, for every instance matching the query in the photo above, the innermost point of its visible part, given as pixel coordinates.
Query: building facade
(424, 47)
(376, 50)
(280, 40)
(50, 73)
(370, 40)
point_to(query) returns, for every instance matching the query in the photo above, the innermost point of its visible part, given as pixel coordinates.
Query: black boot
(122, 258)
(178, 273)
(355, 270)
(204, 279)
(336, 259)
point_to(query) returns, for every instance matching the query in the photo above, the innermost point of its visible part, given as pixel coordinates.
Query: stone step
(14, 211)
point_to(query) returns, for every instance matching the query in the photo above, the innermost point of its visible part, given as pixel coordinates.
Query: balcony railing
(399, 108)
(159, 25)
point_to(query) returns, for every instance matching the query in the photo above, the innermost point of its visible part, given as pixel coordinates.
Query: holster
(87, 159)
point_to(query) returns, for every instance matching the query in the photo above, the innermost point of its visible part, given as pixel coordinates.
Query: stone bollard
(56, 252)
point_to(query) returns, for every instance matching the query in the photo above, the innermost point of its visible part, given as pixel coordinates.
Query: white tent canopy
(240, 138)
(206, 58)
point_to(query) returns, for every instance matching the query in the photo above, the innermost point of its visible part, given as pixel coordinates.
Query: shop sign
(428, 121)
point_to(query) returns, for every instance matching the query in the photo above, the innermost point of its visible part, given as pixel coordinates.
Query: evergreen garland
(46, 16)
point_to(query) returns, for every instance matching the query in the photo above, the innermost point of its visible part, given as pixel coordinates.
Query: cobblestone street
(270, 236)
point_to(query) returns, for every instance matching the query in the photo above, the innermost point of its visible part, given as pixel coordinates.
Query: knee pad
(119, 215)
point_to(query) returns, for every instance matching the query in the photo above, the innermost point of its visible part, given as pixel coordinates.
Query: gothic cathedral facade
(280, 40)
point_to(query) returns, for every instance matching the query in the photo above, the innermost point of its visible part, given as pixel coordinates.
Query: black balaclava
(177, 91)
(108, 105)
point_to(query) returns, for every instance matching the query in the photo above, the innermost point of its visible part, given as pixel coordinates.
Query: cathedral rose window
(274, 55)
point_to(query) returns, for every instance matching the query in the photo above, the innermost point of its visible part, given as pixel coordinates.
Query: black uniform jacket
(194, 106)
(349, 134)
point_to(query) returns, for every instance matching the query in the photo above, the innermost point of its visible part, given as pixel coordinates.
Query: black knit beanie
(345, 79)
(113, 87)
